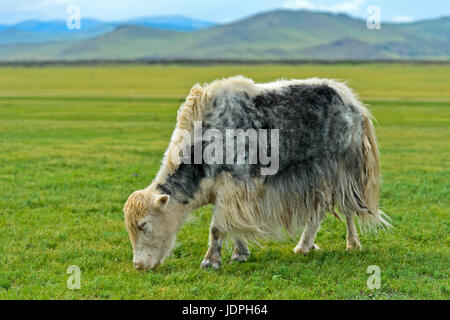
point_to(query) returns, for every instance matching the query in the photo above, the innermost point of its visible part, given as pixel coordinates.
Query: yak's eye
(142, 226)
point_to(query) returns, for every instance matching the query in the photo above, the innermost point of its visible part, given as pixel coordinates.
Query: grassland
(75, 142)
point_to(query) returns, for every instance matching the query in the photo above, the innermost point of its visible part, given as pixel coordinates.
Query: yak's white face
(152, 228)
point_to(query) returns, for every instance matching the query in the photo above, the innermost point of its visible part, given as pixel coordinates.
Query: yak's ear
(162, 201)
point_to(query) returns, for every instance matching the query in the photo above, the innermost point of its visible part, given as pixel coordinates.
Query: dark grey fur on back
(316, 129)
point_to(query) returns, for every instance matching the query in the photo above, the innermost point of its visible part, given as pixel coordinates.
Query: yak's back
(316, 122)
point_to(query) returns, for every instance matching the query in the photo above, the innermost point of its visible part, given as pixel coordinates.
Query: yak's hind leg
(306, 243)
(352, 233)
(241, 251)
(213, 255)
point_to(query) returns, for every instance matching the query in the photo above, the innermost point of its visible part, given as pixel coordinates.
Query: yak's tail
(358, 182)
(372, 218)
(358, 186)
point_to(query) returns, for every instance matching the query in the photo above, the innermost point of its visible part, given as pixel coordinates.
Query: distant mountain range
(53, 31)
(281, 34)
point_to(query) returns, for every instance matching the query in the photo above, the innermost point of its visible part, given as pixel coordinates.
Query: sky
(221, 11)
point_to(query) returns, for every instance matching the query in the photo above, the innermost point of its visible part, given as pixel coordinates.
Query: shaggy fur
(328, 160)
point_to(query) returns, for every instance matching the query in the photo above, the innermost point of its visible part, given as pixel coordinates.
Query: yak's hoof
(209, 263)
(240, 257)
(353, 245)
(304, 251)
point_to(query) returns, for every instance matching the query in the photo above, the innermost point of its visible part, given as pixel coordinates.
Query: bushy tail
(373, 218)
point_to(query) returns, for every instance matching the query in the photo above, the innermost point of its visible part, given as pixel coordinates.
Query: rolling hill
(55, 31)
(52, 31)
(281, 34)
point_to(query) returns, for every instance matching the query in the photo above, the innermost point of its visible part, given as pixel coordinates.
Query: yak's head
(152, 225)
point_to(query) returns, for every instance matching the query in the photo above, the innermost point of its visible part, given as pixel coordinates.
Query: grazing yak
(323, 157)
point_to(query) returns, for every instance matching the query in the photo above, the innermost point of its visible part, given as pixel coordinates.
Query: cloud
(12, 11)
(299, 4)
(402, 19)
(349, 6)
(28, 5)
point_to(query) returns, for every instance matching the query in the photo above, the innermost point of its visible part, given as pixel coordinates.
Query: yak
(326, 160)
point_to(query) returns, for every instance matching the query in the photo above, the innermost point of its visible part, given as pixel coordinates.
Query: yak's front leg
(212, 257)
(306, 243)
(352, 235)
(241, 251)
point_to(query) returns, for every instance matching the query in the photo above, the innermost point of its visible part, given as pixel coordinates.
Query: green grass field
(75, 142)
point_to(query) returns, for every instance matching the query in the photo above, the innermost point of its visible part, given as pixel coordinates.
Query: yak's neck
(188, 185)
